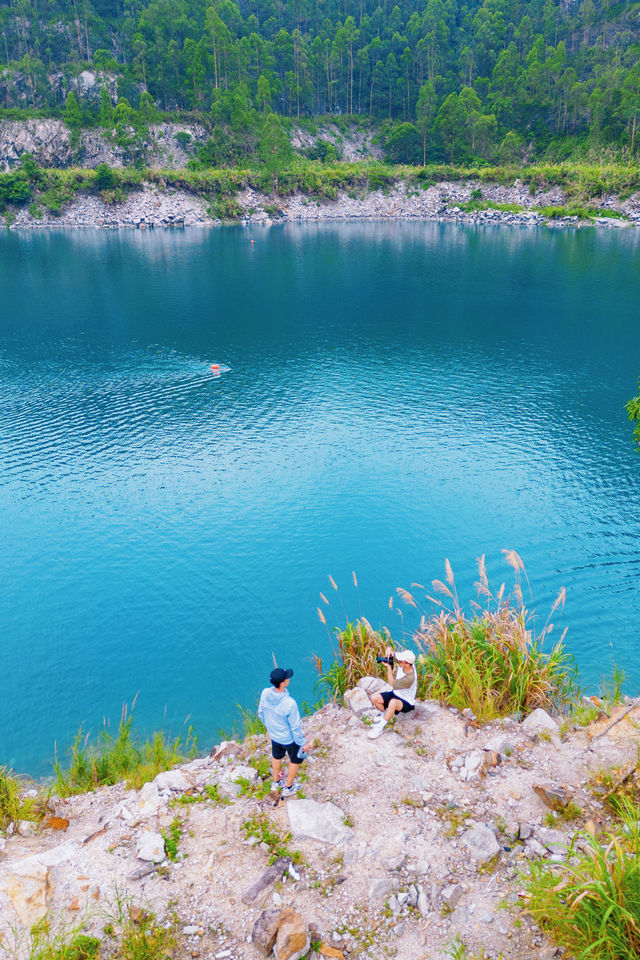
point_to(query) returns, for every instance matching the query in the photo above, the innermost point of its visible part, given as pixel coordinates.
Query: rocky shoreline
(394, 847)
(154, 207)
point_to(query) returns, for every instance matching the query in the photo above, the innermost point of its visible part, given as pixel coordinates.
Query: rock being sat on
(279, 713)
(403, 680)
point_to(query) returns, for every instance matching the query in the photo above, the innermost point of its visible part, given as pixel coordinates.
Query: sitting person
(403, 679)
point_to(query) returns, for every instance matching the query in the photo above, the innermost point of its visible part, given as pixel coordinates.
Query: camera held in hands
(389, 660)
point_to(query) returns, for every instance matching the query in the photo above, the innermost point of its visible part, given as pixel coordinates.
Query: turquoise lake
(398, 394)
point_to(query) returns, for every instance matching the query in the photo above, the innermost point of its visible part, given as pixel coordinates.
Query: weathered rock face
(50, 142)
(47, 140)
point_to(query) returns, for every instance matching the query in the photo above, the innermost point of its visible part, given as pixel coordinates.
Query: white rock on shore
(156, 207)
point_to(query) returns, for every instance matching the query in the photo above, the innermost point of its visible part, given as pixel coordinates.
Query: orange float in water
(215, 366)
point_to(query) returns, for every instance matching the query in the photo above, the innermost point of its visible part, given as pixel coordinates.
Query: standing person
(403, 680)
(280, 715)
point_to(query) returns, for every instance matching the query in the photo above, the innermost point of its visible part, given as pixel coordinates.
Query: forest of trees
(443, 79)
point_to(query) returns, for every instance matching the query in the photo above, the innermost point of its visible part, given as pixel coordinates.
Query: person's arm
(390, 672)
(295, 724)
(404, 682)
(261, 708)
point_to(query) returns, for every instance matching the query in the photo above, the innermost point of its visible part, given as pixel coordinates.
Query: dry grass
(358, 644)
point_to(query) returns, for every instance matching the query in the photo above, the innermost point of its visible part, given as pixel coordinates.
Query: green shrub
(105, 178)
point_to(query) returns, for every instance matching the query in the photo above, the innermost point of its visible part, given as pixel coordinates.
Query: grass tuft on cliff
(14, 805)
(591, 903)
(123, 757)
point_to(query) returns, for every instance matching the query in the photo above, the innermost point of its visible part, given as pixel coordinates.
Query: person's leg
(277, 756)
(377, 701)
(394, 706)
(292, 773)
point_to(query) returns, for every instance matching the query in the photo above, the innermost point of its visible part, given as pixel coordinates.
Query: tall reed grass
(123, 757)
(591, 904)
(491, 661)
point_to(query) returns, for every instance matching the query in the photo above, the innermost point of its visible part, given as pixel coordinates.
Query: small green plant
(65, 944)
(454, 816)
(213, 793)
(252, 725)
(265, 831)
(583, 714)
(186, 799)
(172, 838)
(143, 938)
(458, 950)
(612, 687)
(565, 815)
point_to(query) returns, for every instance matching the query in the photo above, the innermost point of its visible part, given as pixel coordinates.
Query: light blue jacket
(280, 715)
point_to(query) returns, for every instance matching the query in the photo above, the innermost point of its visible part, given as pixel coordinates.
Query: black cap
(279, 675)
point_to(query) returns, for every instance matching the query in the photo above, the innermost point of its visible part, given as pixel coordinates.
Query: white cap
(407, 656)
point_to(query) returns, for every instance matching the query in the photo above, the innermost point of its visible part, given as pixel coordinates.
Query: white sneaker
(377, 728)
(291, 791)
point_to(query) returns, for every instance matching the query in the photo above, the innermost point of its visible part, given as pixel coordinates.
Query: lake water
(398, 394)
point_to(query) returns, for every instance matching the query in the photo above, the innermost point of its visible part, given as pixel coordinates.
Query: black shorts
(278, 751)
(390, 695)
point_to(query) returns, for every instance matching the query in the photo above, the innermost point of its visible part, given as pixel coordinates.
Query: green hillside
(452, 80)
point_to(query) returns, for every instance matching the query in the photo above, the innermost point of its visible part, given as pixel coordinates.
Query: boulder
(534, 850)
(475, 766)
(144, 871)
(228, 748)
(539, 722)
(452, 895)
(28, 882)
(554, 796)
(500, 744)
(318, 821)
(422, 903)
(292, 941)
(150, 846)
(265, 881)
(239, 771)
(148, 801)
(554, 840)
(27, 885)
(357, 700)
(379, 887)
(265, 931)
(481, 842)
(373, 684)
(173, 780)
